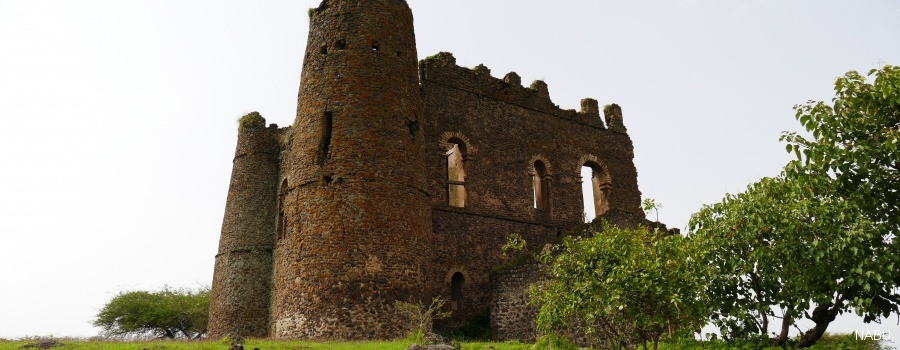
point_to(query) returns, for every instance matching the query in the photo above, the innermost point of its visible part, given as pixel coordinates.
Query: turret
(356, 217)
(239, 299)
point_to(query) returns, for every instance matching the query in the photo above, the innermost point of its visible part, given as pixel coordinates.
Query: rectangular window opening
(325, 141)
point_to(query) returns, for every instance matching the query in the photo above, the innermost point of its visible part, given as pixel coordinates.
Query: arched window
(279, 225)
(456, 174)
(596, 186)
(456, 285)
(540, 180)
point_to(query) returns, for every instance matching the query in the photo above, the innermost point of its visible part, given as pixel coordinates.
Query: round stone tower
(355, 222)
(239, 299)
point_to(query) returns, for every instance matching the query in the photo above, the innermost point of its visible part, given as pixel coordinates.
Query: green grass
(829, 342)
(262, 344)
(510, 345)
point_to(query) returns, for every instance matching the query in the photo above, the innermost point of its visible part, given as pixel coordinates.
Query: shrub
(167, 313)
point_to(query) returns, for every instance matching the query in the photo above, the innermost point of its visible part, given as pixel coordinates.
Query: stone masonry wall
(239, 299)
(470, 244)
(357, 224)
(512, 315)
(505, 128)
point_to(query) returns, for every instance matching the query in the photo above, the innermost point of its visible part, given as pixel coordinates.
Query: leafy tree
(790, 244)
(822, 235)
(856, 140)
(168, 313)
(622, 288)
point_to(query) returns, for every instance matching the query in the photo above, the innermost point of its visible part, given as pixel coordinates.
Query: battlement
(613, 115)
(442, 69)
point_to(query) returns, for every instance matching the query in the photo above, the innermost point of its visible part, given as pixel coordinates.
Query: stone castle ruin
(400, 180)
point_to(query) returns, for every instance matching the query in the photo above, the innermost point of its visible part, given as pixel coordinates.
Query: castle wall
(512, 314)
(357, 224)
(470, 244)
(506, 128)
(392, 185)
(239, 299)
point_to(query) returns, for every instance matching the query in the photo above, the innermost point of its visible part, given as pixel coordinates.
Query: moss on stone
(251, 120)
(608, 107)
(481, 68)
(441, 56)
(314, 10)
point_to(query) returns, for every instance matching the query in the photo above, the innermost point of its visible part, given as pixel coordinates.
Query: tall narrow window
(541, 183)
(456, 294)
(595, 186)
(325, 137)
(456, 174)
(280, 224)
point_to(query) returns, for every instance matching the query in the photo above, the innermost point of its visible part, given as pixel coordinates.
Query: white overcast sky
(118, 118)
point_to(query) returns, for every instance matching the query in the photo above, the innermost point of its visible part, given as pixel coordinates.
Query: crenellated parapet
(613, 115)
(442, 69)
(590, 107)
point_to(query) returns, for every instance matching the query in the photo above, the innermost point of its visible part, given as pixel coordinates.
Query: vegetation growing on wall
(481, 68)
(252, 119)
